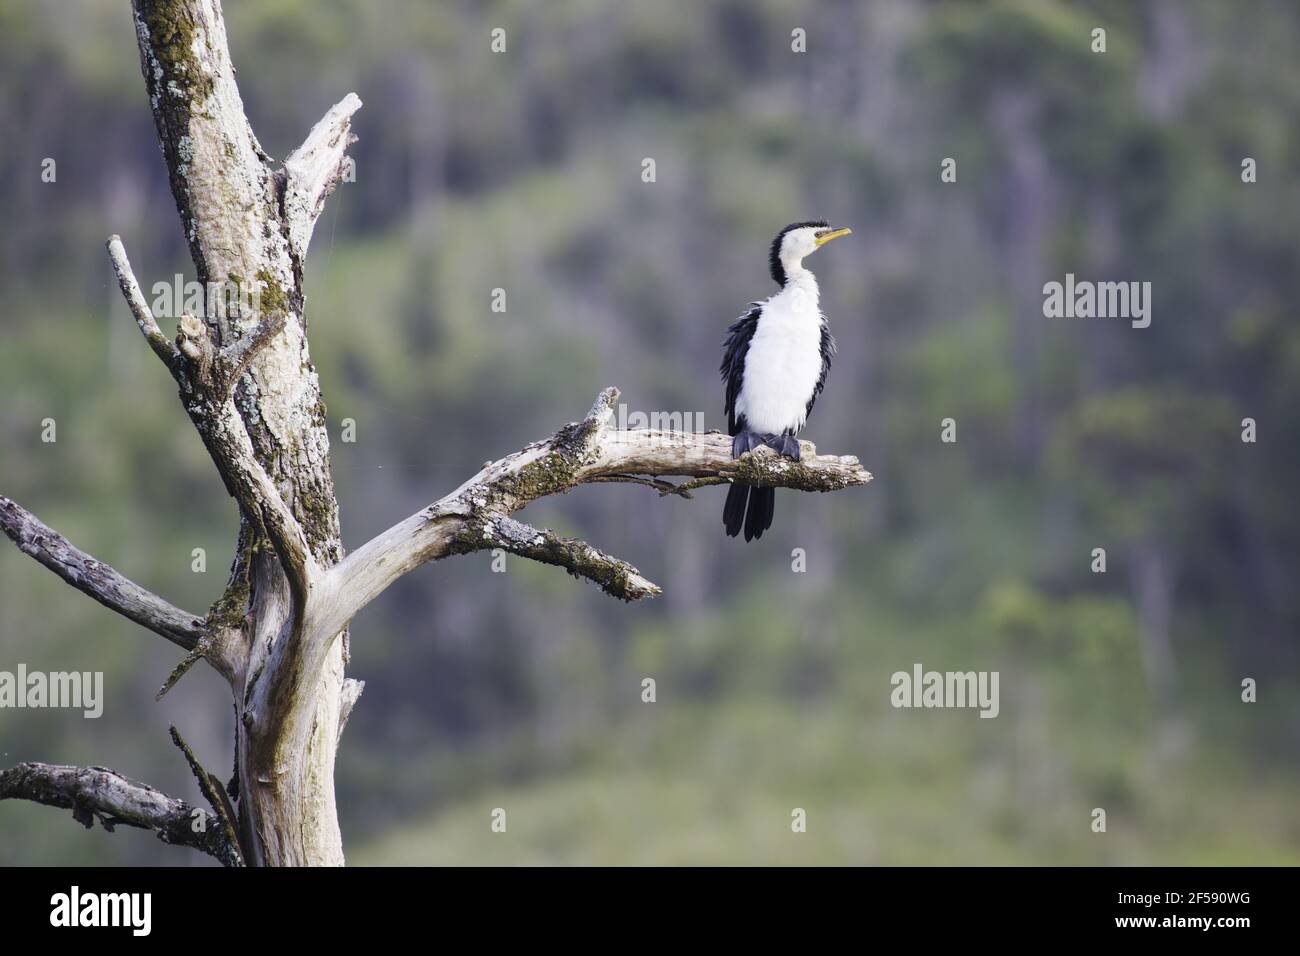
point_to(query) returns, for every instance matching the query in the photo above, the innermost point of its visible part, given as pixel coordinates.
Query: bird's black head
(796, 241)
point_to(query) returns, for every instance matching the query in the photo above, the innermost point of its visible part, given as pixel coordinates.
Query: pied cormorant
(774, 363)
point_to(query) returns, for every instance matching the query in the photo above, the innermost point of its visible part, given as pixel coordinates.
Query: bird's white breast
(784, 359)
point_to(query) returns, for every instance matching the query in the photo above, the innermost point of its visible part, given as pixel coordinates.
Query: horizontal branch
(95, 793)
(705, 456)
(95, 578)
(580, 453)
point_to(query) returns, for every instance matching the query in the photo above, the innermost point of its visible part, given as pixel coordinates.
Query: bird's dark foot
(786, 445)
(745, 441)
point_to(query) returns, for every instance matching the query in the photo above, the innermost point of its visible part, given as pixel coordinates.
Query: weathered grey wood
(95, 793)
(95, 578)
(247, 223)
(583, 452)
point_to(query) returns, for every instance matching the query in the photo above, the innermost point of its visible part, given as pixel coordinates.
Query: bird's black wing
(734, 350)
(827, 348)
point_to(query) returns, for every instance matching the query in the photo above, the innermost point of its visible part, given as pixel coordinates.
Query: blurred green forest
(522, 171)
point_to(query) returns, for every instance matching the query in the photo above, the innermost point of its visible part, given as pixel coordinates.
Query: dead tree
(278, 633)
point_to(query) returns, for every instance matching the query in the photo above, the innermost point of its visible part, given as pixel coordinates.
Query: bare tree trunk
(246, 236)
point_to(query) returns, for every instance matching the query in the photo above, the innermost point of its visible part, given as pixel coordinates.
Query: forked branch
(476, 515)
(207, 376)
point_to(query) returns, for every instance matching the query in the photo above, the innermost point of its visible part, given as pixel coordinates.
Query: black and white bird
(774, 363)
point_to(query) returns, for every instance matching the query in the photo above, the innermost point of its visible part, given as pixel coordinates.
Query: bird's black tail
(757, 518)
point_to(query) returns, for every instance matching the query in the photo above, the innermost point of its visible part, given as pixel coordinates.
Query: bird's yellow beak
(830, 234)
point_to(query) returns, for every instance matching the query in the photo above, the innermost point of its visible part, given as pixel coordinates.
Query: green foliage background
(522, 171)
